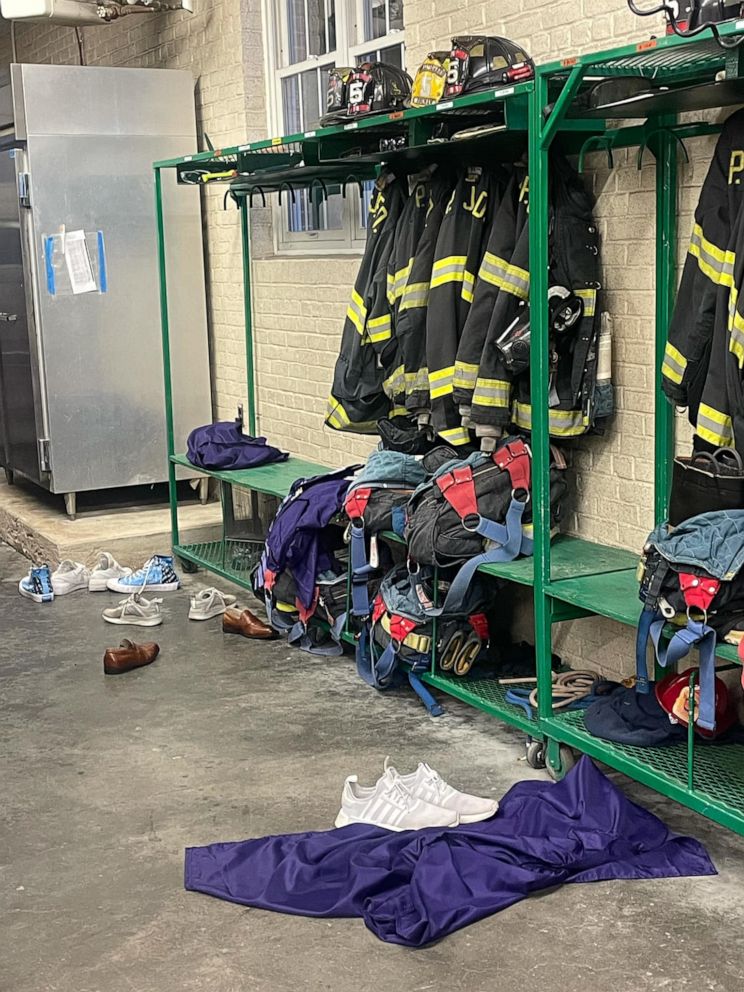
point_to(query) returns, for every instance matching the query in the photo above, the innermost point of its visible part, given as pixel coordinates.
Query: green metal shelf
(484, 694)
(513, 99)
(570, 556)
(217, 557)
(273, 479)
(718, 782)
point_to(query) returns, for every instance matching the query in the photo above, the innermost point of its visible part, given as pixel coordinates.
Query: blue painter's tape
(48, 256)
(102, 271)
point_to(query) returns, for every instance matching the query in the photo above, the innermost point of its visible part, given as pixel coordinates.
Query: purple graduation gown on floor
(416, 886)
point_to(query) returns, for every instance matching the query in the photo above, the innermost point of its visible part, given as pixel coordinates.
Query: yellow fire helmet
(431, 78)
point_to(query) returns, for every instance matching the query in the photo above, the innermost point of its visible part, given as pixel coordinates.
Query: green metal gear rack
(571, 578)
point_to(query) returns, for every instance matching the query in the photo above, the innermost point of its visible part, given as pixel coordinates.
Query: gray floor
(106, 780)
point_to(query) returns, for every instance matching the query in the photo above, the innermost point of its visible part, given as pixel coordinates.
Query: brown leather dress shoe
(129, 656)
(247, 625)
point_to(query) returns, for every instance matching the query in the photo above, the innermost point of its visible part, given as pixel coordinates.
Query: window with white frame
(309, 38)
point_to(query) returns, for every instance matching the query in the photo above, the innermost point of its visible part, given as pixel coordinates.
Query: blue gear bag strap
(434, 708)
(700, 635)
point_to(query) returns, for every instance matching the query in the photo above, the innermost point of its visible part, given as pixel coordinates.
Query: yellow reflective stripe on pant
(492, 392)
(511, 278)
(714, 426)
(674, 364)
(441, 382)
(357, 311)
(449, 269)
(561, 423)
(713, 262)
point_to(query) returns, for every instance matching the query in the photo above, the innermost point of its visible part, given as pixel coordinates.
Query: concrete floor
(106, 780)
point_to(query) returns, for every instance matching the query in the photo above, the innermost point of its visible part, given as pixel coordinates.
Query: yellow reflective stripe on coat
(379, 328)
(465, 375)
(339, 419)
(455, 435)
(674, 364)
(492, 392)
(400, 279)
(417, 382)
(511, 278)
(714, 426)
(713, 262)
(441, 382)
(415, 294)
(736, 327)
(357, 311)
(449, 269)
(589, 299)
(468, 286)
(395, 382)
(561, 423)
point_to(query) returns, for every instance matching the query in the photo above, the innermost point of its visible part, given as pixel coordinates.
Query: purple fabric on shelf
(295, 539)
(415, 887)
(225, 446)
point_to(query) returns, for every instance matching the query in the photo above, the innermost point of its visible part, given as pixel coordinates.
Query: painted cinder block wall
(299, 302)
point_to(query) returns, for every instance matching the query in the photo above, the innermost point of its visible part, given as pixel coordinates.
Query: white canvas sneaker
(69, 576)
(135, 610)
(107, 568)
(427, 784)
(389, 804)
(210, 603)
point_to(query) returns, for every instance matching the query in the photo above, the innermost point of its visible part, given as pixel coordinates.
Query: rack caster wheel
(535, 754)
(566, 761)
(187, 566)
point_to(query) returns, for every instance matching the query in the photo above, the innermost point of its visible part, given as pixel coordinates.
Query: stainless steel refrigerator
(81, 372)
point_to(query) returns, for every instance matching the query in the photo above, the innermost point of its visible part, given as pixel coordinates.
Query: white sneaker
(427, 784)
(107, 568)
(69, 576)
(210, 603)
(389, 804)
(135, 610)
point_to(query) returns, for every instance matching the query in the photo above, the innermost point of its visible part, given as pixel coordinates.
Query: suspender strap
(356, 503)
(508, 549)
(515, 459)
(377, 672)
(424, 695)
(458, 488)
(699, 635)
(360, 570)
(649, 615)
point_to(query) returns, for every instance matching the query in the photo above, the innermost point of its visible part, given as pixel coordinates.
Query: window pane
(296, 43)
(321, 16)
(395, 8)
(367, 57)
(311, 214)
(291, 108)
(310, 102)
(393, 55)
(375, 19)
(364, 202)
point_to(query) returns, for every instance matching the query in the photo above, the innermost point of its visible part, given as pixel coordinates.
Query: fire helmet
(673, 695)
(477, 62)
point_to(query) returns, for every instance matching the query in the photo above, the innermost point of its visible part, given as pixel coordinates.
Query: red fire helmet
(673, 694)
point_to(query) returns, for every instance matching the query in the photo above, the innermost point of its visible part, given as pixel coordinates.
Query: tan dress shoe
(247, 625)
(129, 656)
